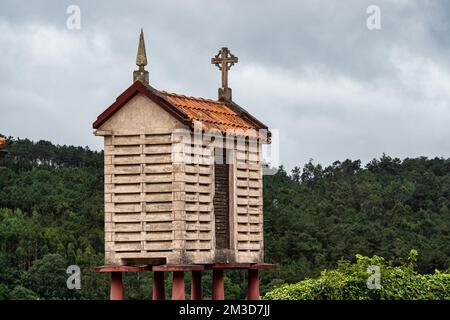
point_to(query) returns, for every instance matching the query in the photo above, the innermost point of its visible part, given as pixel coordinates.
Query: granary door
(221, 199)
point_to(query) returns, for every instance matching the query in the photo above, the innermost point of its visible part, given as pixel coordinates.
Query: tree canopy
(51, 216)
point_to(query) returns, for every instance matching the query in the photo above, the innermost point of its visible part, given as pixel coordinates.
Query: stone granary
(2, 142)
(183, 175)
(2, 146)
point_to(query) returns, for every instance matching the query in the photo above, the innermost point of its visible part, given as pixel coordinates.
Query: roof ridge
(191, 97)
(228, 112)
(220, 115)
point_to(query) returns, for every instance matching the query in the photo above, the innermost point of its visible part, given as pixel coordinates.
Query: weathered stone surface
(182, 212)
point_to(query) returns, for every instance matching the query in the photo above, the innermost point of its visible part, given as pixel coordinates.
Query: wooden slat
(205, 179)
(254, 184)
(126, 198)
(126, 140)
(158, 168)
(195, 188)
(127, 169)
(127, 207)
(158, 197)
(203, 227)
(127, 227)
(158, 236)
(248, 237)
(242, 174)
(157, 139)
(248, 210)
(159, 245)
(158, 149)
(248, 246)
(125, 150)
(149, 207)
(126, 188)
(198, 236)
(159, 217)
(191, 178)
(255, 218)
(160, 226)
(198, 245)
(153, 178)
(242, 218)
(127, 246)
(164, 158)
(126, 217)
(130, 159)
(126, 178)
(130, 236)
(195, 207)
(242, 183)
(199, 169)
(158, 187)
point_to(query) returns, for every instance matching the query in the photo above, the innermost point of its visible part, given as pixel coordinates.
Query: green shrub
(22, 293)
(349, 281)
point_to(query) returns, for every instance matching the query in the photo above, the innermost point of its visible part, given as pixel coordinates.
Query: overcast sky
(311, 69)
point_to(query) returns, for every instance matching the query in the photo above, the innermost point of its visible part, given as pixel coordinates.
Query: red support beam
(218, 292)
(159, 292)
(116, 292)
(196, 286)
(178, 287)
(253, 284)
(178, 292)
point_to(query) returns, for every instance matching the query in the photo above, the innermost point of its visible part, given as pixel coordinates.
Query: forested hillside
(51, 216)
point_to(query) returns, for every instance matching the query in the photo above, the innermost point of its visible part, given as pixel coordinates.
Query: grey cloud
(309, 68)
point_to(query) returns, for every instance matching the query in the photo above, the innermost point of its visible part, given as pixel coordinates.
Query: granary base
(178, 285)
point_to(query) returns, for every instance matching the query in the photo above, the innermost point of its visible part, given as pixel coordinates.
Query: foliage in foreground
(352, 281)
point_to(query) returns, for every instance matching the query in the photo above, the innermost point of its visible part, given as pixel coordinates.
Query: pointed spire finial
(141, 58)
(141, 61)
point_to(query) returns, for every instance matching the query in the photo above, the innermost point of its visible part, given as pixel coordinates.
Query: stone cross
(224, 60)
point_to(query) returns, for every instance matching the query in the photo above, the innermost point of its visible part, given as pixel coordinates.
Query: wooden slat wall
(158, 235)
(249, 206)
(157, 208)
(138, 195)
(199, 202)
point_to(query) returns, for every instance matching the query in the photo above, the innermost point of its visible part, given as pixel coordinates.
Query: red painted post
(158, 286)
(253, 284)
(218, 287)
(196, 286)
(178, 292)
(116, 286)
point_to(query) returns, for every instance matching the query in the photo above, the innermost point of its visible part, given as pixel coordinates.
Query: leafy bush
(22, 293)
(350, 281)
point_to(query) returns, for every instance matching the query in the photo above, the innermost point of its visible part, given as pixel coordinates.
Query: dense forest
(51, 216)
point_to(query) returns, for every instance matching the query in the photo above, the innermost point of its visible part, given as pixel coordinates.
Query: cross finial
(224, 60)
(141, 61)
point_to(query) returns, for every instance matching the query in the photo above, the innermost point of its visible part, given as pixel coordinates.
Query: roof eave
(149, 92)
(248, 117)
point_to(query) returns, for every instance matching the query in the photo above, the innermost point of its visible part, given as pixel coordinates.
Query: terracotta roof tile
(213, 114)
(2, 142)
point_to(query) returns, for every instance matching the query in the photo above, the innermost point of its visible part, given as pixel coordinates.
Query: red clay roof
(213, 114)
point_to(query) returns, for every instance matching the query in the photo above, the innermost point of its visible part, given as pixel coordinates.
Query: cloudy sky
(311, 69)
